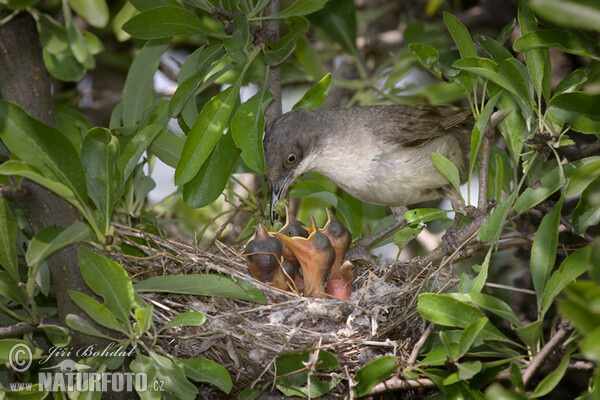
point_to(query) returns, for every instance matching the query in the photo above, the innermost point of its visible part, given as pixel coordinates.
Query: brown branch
(396, 384)
(419, 345)
(17, 329)
(274, 82)
(561, 335)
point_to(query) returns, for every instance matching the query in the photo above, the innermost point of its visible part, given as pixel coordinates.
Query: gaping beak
(278, 191)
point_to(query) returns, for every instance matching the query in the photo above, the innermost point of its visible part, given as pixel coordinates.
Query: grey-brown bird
(378, 154)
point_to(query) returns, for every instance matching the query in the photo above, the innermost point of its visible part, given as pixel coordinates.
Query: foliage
(102, 172)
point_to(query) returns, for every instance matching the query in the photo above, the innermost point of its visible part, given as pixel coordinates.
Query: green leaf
(590, 346)
(97, 311)
(139, 84)
(164, 22)
(468, 369)
(516, 377)
(543, 251)
(81, 325)
(236, 44)
(574, 265)
(446, 168)
(373, 373)
(338, 20)
(58, 335)
(316, 95)
(299, 8)
(420, 215)
(249, 394)
(167, 147)
(130, 155)
(582, 178)
(551, 380)
(428, 57)
(93, 11)
(530, 334)
(206, 132)
(309, 58)
(572, 82)
(191, 318)
(202, 370)
(53, 238)
(494, 48)
(405, 235)
(587, 212)
(277, 52)
(9, 288)
(145, 365)
(173, 374)
(247, 127)
(498, 392)
(107, 279)
(577, 14)
(143, 316)
(461, 36)
(293, 378)
(536, 59)
(193, 72)
(43, 147)
(77, 42)
(63, 66)
(469, 335)
(561, 39)
(202, 285)
(99, 156)
(580, 110)
(210, 181)
(9, 228)
(489, 303)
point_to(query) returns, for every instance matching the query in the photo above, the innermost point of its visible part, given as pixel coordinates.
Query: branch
(395, 383)
(274, 82)
(17, 329)
(419, 345)
(537, 361)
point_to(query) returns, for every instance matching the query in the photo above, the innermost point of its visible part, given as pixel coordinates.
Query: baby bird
(264, 257)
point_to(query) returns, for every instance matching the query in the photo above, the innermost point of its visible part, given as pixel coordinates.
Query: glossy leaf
(560, 39)
(573, 266)
(93, 11)
(419, 215)
(277, 52)
(338, 20)
(202, 285)
(461, 36)
(190, 318)
(316, 95)
(53, 238)
(99, 155)
(577, 14)
(9, 228)
(139, 84)
(63, 66)
(580, 110)
(97, 311)
(543, 251)
(43, 147)
(428, 56)
(489, 303)
(495, 49)
(163, 22)
(211, 179)
(469, 335)
(247, 128)
(582, 178)
(77, 42)
(131, 153)
(373, 373)
(572, 82)
(299, 8)
(587, 212)
(446, 168)
(167, 147)
(205, 134)
(108, 280)
(405, 236)
(237, 43)
(207, 371)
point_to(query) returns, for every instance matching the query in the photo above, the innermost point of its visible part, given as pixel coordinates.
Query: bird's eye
(291, 158)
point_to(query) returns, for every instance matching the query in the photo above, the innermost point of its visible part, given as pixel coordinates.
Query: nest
(246, 338)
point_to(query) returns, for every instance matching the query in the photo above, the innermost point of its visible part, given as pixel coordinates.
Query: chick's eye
(291, 158)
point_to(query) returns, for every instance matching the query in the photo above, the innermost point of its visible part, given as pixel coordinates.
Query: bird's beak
(278, 191)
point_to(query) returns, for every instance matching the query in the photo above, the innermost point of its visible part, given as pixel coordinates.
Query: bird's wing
(415, 125)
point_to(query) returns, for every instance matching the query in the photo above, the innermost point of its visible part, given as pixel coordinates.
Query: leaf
(530, 334)
(490, 303)
(446, 168)
(494, 48)
(572, 82)
(247, 127)
(9, 288)
(577, 14)
(63, 66)
(293, 378)
(81, 325)
(97, 311)
(497, 391)
(99, 155)
(468, 369)
(492, 227)
(561, 39)
(77, 43)
(420, 215)
(552, 379)
(590, 346)
(309, 58)
(9, 228)
(236, 44)
(193, 72)
(145, 365)
(143, 316)
(587, 212)
(338, 20)
(202, 370)
(316, 95)
(130, 155)
(202, 285)
(405, 235)
(164, 22)
(582, 178)
(93, 11)
(139, 84)
(210, 181)
(205, 133)
(461, 36)
(53, 238)
(373, 373)
(574, 265)
(543, 251)
(58, 335)
(277, 52)
(428, 57)
(174, 377)
(43, 147)
(469, 335)
(167, 147)
(299, 8)
(580, 110)
(191, 318)
(108, 280)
